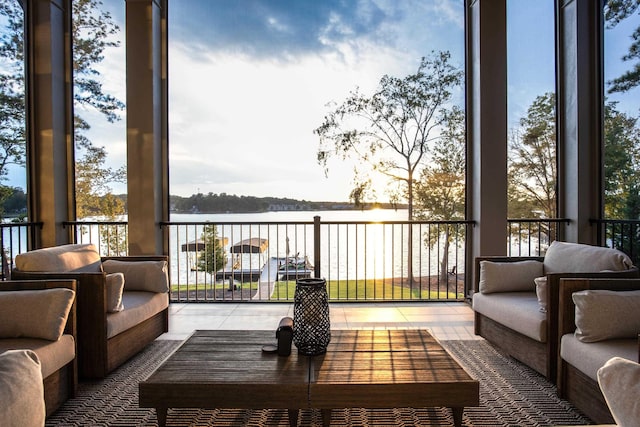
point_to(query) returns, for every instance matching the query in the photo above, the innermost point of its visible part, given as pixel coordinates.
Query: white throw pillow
(115, 287)
(603, 315)
(619, 380)
(35, 313)
(541, 292)
(150, 276)
(509, 276)
(564, 257)
(21, 390)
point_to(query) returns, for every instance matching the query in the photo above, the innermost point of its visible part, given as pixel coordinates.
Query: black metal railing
(361, 261)
(621, 234)
(110, 237)
(15, 238)
(532, 237)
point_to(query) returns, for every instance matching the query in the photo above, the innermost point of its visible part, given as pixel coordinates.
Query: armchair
(602, 319)
(122, 302)
(515, 299)
(50, 334)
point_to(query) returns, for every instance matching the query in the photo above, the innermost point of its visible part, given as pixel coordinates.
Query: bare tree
(391, 130)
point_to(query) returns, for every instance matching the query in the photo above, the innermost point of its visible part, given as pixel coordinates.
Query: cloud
(248, 88)
(280, 29)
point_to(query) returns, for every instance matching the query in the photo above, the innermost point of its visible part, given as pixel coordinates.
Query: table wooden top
(227, 369)
(373, 369)
(397, 368)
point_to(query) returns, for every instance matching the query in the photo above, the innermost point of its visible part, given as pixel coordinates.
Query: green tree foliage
(391, 130)
(94, 197)
(616, 11)
(93, 31)
(12, 94)
(622, 164)
(213, 257)
(440, 192)
(532, 162)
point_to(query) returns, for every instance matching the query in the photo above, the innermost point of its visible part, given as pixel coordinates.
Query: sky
(249, 88)
(249, 81)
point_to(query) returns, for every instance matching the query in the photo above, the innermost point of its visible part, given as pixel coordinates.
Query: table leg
(326, 417)
(457, 416)
(293, 417)
(161, 413)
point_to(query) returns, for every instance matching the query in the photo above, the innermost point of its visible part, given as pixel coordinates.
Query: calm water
(346, 251)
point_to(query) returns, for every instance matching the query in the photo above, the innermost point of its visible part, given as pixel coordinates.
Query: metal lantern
(311, 325)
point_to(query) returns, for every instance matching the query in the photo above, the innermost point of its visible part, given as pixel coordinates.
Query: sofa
(37, 348)
(122, 302)
(599, 319)
(515, 299)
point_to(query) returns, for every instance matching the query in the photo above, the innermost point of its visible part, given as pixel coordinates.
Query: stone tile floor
(445, 320)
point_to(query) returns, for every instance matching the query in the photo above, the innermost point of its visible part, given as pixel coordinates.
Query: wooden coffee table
(365, 368)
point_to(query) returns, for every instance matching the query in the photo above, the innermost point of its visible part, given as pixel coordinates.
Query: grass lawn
(343, 290)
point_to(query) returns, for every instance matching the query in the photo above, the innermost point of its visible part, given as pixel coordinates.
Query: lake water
(347, 251)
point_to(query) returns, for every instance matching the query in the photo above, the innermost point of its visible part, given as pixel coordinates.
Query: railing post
(316, 247)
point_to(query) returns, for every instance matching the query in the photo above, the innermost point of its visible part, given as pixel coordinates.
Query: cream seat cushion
(138, 307)
(519, 311)
(589, 357)
(53, 355)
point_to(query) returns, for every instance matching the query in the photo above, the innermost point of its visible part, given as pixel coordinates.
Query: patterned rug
(510, 395)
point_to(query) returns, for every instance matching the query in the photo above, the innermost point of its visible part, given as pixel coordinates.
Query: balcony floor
(445, 320)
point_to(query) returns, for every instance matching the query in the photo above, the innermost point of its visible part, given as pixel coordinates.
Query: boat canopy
(199, 245)
(251, 246)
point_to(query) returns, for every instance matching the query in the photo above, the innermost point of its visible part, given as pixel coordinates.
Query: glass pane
(99, 95)
(531, 109)
(13, 177)
(622, 106)
(251, 83)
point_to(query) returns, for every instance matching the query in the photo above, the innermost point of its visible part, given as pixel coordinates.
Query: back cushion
(150, 276)
(564, 257)
(59, 259)
(604, 315)
(508, 276)
(35, 314)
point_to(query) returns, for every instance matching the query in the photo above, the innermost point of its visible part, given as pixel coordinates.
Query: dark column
(486, 75)
(49, 118)
(580, 118)
(147, 188)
